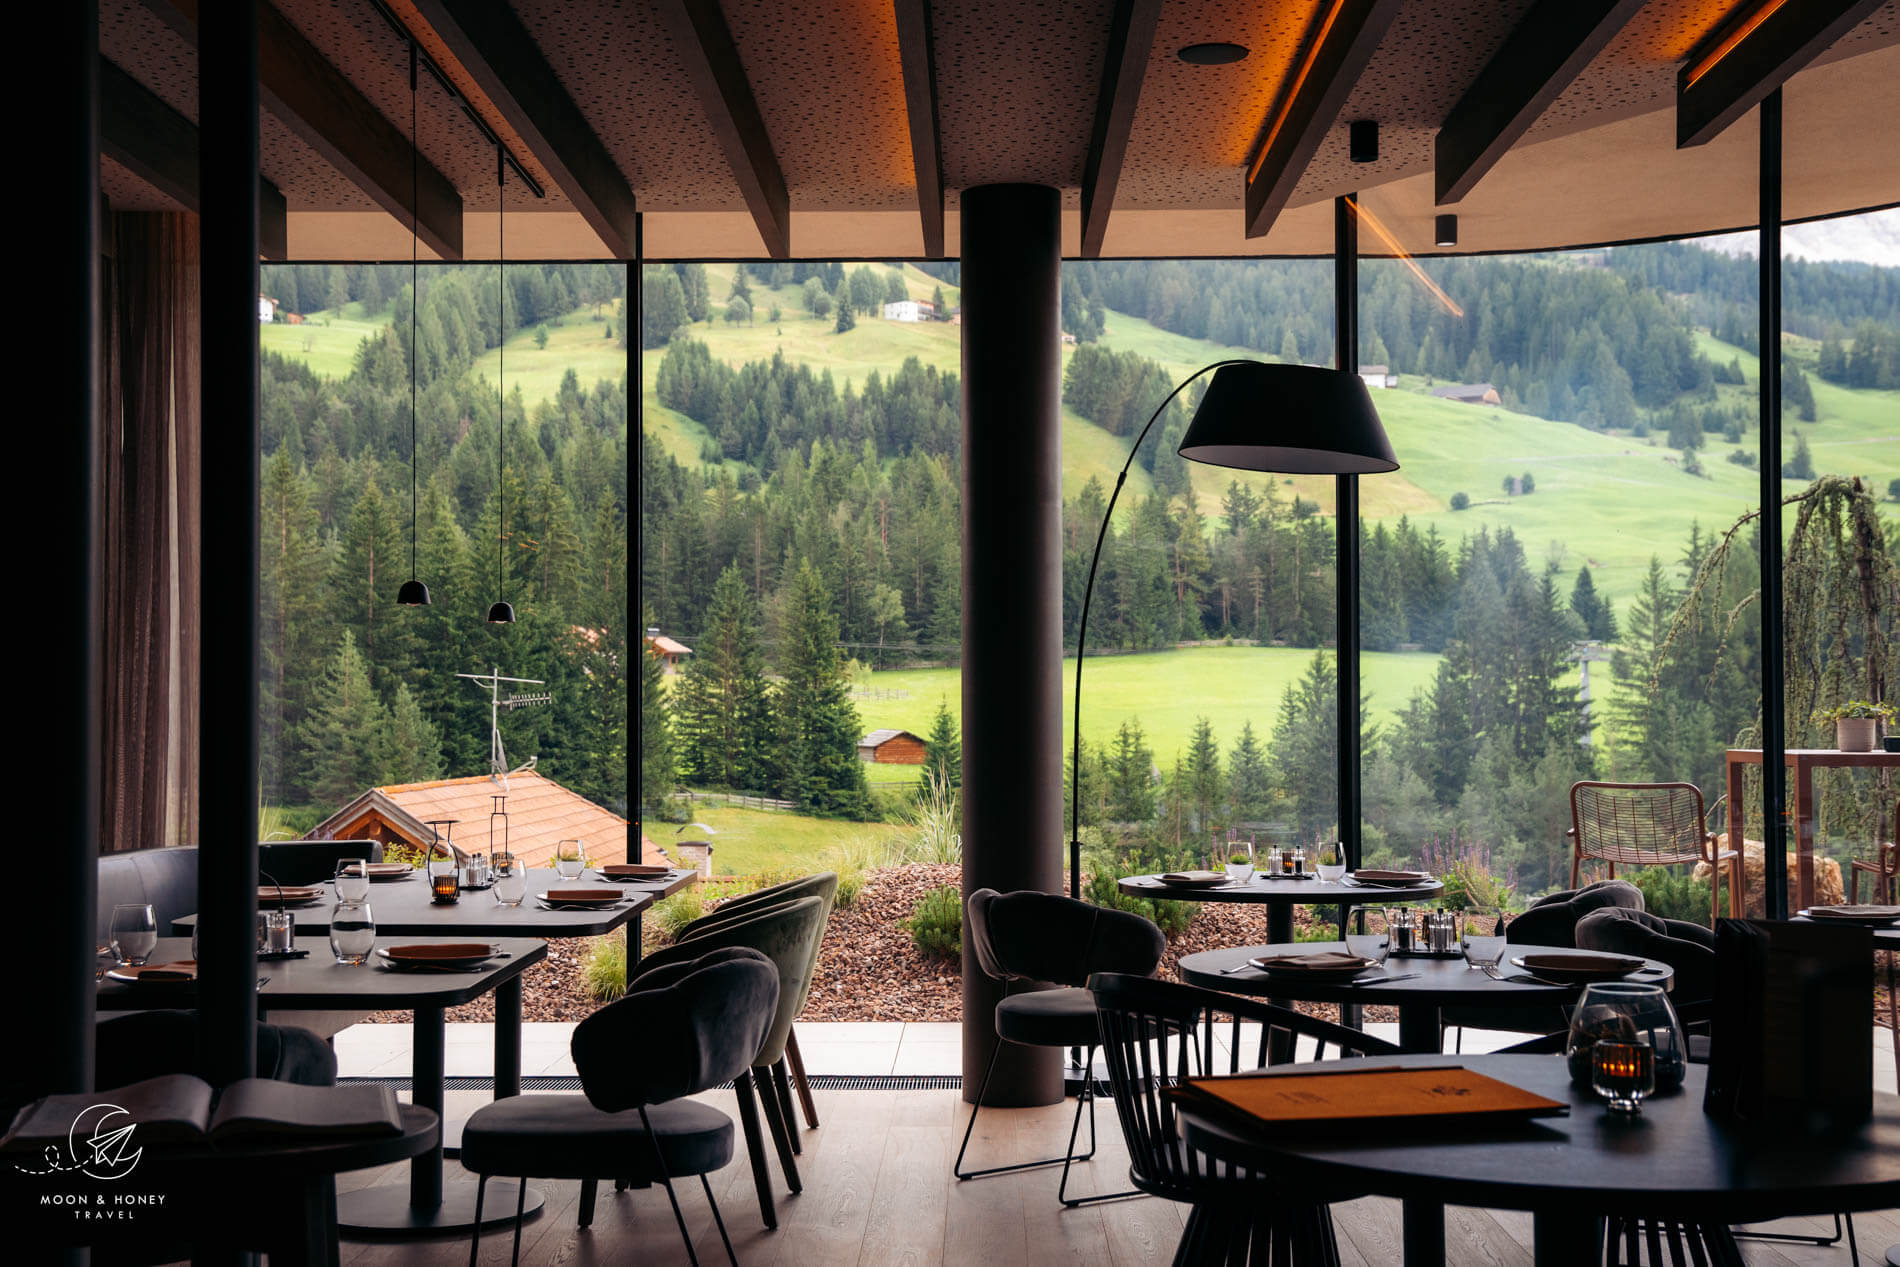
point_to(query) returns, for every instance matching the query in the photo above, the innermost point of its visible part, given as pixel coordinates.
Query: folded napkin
(643, 870)
(1192, 877)
(1324, 961)
(584, 895)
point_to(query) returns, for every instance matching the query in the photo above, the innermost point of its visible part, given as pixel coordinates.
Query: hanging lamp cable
(413, 592)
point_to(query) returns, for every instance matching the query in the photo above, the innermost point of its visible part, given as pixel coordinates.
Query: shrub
(1470, 883)
(604, 970)
(1673, 893)
(936, 925)
(1172, 918)
(1460, 501)
(933, 823)
(849, 885)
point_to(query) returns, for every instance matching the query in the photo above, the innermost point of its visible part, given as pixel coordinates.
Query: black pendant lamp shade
(413, 594)
(500, 613)
(1296, 419)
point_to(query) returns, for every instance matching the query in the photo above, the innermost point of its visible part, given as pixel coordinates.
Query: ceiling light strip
(1292, 94)
(1737, 30)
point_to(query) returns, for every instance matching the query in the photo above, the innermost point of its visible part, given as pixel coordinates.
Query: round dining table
(1280, 896)
(1420, 988)
(1670, 1162)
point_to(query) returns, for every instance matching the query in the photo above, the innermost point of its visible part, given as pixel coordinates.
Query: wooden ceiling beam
(1343, 40)
(317, 102)
(917, 49)
(492, 45)
(154, 142)
(1544, 53)
(1130, 41)
(712, 63)
(1758, 49)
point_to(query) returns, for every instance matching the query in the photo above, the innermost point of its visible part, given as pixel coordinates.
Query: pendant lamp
(413, 592)
(501, 612)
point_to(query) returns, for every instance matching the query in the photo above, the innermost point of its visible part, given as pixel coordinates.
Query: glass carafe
(1627, 1012)
(352, 931)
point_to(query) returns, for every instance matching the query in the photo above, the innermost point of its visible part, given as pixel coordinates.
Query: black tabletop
(405, 908)
(1438, 983)
(320, 983)
(1672, 1161)
(1310, 890)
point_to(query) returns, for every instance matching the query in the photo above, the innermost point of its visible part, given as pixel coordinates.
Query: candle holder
(1623, 1073)
(1622, 1014)
(445, 876)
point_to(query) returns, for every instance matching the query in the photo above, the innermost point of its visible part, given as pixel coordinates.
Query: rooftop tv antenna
(497, 755)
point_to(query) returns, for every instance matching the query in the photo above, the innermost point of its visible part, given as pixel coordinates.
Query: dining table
(1671, 1161)
(1802, 803)
(317, 982)
(1420, 988)
(1281, 894)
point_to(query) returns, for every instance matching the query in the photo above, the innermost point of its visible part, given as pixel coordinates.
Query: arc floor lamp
(1254, 416)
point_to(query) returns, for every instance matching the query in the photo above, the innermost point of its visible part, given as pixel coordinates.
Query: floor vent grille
(568, 1082)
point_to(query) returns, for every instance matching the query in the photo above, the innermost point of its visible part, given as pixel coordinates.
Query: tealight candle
(1623, 1073)
(446, 885)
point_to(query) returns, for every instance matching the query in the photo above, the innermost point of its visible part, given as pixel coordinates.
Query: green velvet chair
(788, 935)
(823, 885)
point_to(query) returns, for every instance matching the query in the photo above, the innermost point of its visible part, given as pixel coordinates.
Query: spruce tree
(410, 751)
(723, 723)
(818, 725)
(1205, 790)
(1249, 784)
(943, 749)
(343, 736)
(846, 319)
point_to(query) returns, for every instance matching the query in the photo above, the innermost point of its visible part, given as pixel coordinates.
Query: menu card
(1788, 1032)
(1384, 1097)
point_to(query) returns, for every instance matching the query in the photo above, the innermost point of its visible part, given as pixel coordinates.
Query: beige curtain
(150, 453)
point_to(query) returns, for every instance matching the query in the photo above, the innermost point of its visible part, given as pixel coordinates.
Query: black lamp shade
(413, 594)
(501, 614)
(1298, 419)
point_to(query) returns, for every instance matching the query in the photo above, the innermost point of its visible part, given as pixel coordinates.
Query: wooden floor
(878, 1192)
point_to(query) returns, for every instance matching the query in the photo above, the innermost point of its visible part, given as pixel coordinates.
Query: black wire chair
(1156, 1033)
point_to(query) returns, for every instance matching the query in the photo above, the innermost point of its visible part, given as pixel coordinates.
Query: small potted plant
(1239, 866)
(1856, 723)
(1332, 862)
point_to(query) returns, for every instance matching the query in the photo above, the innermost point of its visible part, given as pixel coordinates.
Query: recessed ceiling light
(1212, 54)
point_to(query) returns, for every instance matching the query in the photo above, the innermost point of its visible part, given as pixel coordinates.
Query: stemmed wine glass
(1484, 957)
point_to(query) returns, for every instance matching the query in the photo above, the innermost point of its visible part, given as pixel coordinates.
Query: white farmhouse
(910, 310)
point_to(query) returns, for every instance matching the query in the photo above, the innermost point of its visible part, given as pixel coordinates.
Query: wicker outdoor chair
(1649, 825)
(1884, 867)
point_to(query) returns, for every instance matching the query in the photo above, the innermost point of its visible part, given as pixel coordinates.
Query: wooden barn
(891, 747)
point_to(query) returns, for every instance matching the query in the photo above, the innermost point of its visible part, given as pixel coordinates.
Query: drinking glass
(352, 879)
(569, 859)
(510, 879)
(1623, 1073)
(279, 932)
(134, 933)
(1483, 951)
(352, 932)
(1238, 861)
(1627, 1012)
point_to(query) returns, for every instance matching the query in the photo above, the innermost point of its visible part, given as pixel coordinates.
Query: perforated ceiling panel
(126, 192)
(829, 80)
(351, 34)
(1430, 55)
(1637, 72)
(1016, 83)
(1195, 125)
(617, 62)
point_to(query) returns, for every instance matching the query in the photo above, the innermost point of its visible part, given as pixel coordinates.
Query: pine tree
(943, 749)
(1131, 791)
(1249, 785)
(937, 303)
(369, 570)
(1205, 790)
(847, 320)
(698, 294)
(720, 699)
(343, 736)
(662, 307)
(290, 591)
(1599, 620)
(410, 751)
(818, 724)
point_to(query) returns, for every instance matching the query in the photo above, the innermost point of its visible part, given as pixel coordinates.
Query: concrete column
(1012, 589)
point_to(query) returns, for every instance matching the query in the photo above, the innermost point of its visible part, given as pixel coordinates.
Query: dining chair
(1155, 1034)
(822, 885)
(788, 934)
(1649, 825)
(687, 1028)
(1029, 936)
(312, 861)
(1884, 866)
(1687, 948)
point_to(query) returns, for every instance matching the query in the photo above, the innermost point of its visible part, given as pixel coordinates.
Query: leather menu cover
(1383, 1098)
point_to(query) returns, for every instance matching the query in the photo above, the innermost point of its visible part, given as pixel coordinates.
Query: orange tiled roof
(541, 813)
